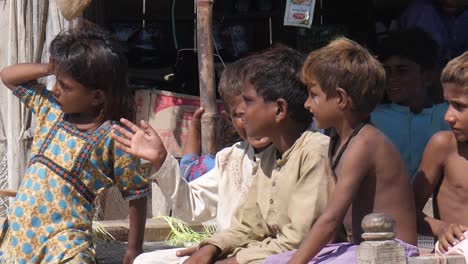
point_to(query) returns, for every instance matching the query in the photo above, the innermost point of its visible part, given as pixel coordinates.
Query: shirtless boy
(345, 83)
(444, 165)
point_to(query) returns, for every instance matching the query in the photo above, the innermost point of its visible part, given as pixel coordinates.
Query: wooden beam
(206, 75)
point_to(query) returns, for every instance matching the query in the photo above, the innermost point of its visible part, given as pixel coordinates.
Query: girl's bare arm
(17, 74)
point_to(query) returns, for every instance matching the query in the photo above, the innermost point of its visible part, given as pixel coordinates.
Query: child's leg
(280, 258)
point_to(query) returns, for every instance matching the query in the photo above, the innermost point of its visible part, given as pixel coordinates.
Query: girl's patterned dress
(50, 219)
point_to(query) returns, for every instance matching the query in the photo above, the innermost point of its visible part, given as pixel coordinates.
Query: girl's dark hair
(92, 57)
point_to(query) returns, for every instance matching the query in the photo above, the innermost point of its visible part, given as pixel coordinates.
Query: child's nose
(307, 103)
(55, 91)
(449, 116)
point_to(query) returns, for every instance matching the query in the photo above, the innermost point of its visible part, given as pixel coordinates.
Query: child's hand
(142, 142)
(451, 236)
(193, 143)
(195, 123)
(186, 252)
(204, 255)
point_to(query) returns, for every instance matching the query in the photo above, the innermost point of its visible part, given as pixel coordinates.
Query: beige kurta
(286, 197)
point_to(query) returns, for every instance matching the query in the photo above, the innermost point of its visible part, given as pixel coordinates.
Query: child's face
(457, 112)
(259, 115)
(236, 113)
(73, 97)
(405, 80)
(323, 108)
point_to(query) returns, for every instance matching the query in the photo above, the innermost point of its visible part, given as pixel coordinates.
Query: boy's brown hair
(456, 71)
(231, 81)
(344, 63)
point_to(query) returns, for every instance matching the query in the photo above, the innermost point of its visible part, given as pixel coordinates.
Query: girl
(73, 157)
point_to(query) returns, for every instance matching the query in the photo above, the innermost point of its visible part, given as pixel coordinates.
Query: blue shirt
(410, 132)
(450, 32)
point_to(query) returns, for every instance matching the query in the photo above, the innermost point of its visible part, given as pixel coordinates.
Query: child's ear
(98, 97)
(342, 98)
(281, 109)
(226, 116)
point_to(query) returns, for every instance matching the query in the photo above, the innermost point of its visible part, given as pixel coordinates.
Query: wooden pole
(43, 10)
(379, 246)
(206, 75)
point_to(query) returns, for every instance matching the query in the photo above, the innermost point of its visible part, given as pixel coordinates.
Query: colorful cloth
(193, 166)
(409, 132)
(50, 219)
(336, 253)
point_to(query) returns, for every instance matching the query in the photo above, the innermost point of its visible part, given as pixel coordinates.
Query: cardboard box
(169, 114)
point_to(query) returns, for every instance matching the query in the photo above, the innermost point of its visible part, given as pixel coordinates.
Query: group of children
(285, 194)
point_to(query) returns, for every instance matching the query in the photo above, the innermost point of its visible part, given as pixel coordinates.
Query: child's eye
(458, 106)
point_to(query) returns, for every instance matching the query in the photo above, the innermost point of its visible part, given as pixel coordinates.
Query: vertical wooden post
(43, 10)
(206, 73)
(379, 246)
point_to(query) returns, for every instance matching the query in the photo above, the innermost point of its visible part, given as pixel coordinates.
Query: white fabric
(213, 195)
(165, 256)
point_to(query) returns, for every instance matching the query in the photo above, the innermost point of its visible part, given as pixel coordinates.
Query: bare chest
(452, 194)
(455, 178)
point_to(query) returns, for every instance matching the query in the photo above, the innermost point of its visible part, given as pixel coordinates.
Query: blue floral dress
(50, 219)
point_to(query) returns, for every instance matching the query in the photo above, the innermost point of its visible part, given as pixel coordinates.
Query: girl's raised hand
(51, 67)
(142, 141)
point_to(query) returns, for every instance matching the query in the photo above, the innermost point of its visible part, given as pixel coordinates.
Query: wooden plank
(431, 259)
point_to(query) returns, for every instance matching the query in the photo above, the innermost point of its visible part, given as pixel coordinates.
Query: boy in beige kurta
(289, 190)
